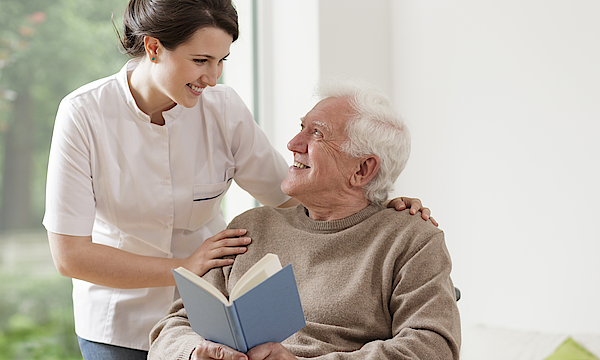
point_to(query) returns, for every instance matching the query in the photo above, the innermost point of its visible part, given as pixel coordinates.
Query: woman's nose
(208, 80)
(211, 76)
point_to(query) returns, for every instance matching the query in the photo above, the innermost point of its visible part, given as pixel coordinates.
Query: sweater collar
(304, 221)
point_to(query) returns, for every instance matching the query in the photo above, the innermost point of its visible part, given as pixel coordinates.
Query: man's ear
(368, 168)
(151, 45)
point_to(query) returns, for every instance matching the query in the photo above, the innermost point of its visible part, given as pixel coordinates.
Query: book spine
(236, 329)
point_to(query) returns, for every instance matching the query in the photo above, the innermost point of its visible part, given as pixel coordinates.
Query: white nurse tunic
(148, 189)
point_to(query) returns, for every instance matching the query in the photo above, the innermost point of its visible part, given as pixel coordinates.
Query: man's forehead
(328, 112)
(313, 121)
(321, 123)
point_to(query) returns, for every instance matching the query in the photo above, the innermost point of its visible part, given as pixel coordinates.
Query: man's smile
(300, 165)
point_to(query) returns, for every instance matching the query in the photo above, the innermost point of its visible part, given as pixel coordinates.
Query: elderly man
(374, 282)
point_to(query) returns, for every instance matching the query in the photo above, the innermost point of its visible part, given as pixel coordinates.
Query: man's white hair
(376, 128)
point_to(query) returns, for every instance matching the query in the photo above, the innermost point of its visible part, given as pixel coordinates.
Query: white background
(503, 101)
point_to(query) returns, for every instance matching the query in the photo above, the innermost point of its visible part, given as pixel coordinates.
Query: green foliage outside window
(47, 49)
(36, 318)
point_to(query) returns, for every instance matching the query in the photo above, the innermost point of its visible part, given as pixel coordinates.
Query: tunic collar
(169, 115)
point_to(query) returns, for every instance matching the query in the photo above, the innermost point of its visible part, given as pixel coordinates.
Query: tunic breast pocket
(207, 200)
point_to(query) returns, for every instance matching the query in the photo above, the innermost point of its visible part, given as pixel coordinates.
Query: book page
(259, 272)
(208, 287)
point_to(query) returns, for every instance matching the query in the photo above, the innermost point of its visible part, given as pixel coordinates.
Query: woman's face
(183, 73)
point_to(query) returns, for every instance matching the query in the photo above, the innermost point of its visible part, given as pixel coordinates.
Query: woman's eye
(200, 61)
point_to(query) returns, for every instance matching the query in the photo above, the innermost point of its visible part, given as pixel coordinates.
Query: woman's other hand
(414, 204)
(213, 251)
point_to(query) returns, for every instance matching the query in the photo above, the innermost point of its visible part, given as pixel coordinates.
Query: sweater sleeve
(425, 318)
(172, 337)
(423, 310)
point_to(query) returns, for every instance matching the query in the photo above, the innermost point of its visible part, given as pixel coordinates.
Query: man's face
(321, 171)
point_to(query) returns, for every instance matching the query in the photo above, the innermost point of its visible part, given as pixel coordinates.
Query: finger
(228, 233)
(215, 263)
(220, 252)
(210, 350)
(425, 214)
(227, 242)
(415, 205)
(241, 241)
(400, 205)
(269, 351)
(396, 203)
(406, 200)
(433, 221)
(260, 352)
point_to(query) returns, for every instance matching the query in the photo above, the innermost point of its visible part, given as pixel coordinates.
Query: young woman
(138, 166)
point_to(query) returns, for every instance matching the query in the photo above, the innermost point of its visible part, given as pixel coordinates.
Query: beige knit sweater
(375, 285)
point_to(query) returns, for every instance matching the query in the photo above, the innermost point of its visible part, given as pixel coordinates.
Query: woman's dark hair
(173, 22)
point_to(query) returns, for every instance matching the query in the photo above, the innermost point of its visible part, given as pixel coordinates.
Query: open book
(264, 305)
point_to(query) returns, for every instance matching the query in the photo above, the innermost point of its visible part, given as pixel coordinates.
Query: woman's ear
(151, 45)
(368, 168)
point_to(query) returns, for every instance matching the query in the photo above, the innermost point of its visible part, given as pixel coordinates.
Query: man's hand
(414, 204)
(208, 350)
(270, 351)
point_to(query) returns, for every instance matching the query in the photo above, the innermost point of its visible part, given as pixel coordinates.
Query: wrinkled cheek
(288, 184)
(284, 186)
(330, 150)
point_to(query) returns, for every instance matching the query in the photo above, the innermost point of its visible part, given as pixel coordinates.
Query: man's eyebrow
(322, 124)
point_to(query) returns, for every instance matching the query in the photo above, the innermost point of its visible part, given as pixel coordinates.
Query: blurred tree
(47, 49)
(36, 317)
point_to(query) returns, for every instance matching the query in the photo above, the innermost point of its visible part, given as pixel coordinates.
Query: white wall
(288, 71)
(238, 73)
(503, 100)
(289, 66)
(355, 41)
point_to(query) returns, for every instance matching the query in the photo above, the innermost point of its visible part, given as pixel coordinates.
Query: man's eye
(317, 132)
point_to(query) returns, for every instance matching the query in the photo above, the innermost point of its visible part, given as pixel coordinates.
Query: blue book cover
(268, 312)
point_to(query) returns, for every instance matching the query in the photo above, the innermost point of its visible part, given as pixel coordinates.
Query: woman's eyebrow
(209, 56)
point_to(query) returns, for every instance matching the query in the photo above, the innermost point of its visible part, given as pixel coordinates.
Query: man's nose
(298, 143)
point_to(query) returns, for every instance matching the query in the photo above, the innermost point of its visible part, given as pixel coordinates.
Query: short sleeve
(70, 203)
(260, 168)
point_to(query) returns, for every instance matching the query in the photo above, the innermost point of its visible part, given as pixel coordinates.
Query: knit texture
(375, 285)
